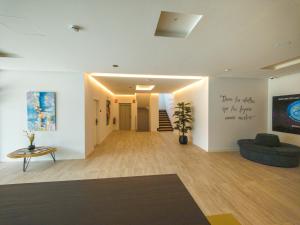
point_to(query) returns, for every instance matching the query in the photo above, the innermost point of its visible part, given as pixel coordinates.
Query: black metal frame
(26, 161)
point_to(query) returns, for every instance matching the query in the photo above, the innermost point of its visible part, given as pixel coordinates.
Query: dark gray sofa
(267, 149)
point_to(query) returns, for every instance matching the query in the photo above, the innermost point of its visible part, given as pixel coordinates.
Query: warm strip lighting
(106, 89)
(186, 87)
(147, 76)
(101, 85)
(144, 87)
(284, 64)
(133, 95)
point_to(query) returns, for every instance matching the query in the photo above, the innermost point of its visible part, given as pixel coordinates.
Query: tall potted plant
(183, 119)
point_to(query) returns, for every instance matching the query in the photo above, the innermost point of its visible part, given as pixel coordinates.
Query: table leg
(26, 162)
(53, 156)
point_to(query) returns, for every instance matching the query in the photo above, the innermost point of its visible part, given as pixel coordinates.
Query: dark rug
(146, 200)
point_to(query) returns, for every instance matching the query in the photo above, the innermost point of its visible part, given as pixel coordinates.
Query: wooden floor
(219, 182)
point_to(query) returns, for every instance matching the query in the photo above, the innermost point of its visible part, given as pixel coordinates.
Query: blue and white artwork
(41, 111)
(294, 111)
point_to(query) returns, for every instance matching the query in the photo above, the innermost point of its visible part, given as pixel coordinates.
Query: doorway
(96, 121)
(143, 119)
(125, 116)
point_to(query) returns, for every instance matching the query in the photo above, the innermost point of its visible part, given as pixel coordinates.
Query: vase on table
(30, 135)
(31, 147)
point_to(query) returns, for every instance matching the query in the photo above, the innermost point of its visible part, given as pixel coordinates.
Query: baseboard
(232, 149)
(87, 155)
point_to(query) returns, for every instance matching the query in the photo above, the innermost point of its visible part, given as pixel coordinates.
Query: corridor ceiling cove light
(147, 76)
(144, 87)
(283, 64)
(186, 87)
(101, 85)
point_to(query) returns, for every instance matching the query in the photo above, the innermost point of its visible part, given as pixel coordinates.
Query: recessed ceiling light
(144, 87)
(227, 70)
(115, 65)
(75, 28)
(174, 24)
(283, 64)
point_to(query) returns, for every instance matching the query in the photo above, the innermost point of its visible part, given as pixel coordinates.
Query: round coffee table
(28, 154)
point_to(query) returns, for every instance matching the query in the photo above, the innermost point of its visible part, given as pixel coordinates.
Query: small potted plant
(30, 135)
(183, 119)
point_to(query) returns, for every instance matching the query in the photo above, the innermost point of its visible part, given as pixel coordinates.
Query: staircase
(164, 121)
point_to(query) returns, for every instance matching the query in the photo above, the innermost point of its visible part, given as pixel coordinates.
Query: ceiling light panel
(144, 87)
(174, 24)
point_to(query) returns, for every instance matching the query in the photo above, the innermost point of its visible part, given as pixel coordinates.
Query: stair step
(164, 121)
(165, 124)
(170, 129)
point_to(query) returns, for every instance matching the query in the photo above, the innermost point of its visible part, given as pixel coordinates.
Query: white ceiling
(125, 85)
(242, 35)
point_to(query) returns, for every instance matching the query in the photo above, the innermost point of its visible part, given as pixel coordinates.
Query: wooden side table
(28, 154)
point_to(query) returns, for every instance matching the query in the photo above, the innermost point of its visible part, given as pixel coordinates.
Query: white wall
(169, 101)
(162, 102)
(197, 95)
(69, 88)
(224, 129)
(94, 91)
(154, 112)
(286, 85)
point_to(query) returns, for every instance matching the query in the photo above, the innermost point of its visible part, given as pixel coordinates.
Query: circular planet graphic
(294, 111)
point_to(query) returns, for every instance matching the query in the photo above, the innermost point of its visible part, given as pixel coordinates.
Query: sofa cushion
(284, 148)
(270, 140)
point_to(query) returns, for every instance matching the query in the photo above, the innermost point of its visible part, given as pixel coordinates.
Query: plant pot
(183, 139)
(31, 147)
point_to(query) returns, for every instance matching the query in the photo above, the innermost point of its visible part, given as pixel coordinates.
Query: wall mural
(41, 111)
(107, 112)
(237, 108)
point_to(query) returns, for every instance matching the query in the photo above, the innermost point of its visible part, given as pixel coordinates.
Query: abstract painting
(107, 112)
(41, 111)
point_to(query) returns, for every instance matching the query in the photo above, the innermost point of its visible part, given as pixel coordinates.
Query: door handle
(96, 122)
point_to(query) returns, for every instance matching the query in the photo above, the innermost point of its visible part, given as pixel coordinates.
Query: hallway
(261, 194)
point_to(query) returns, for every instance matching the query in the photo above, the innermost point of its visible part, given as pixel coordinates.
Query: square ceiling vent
(173, 24)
